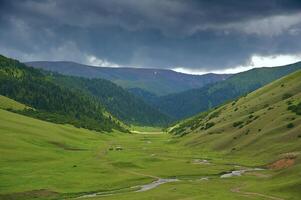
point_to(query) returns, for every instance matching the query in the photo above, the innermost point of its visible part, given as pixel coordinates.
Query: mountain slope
(261, 129)
(265, 123)
(51, 102)
(157, 81)
(122, 104)
(190, 102)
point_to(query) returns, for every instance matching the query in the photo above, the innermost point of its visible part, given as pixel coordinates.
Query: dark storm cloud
(150, 33)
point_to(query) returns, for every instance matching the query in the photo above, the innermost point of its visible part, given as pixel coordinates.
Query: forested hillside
(188, 103)
(122, 104)
(50, 101)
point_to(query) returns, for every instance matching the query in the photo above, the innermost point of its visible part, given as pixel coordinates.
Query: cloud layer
(196, 35)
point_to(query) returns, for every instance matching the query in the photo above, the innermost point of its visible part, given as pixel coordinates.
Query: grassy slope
(261, 117)
(7, 103)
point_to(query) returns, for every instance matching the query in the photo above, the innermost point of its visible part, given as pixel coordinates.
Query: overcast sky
(192, 36)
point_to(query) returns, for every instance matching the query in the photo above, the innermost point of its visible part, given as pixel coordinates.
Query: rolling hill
(191, 102)
(157, 81)
(261, 128)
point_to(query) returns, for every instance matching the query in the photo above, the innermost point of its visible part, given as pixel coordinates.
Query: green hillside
(51, 102)
(121, 103)
(191, 102)
(265, 123)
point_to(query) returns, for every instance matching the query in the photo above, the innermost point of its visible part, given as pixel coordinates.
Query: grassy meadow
(64, 160)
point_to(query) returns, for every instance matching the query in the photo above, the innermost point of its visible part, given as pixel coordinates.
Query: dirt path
(238, 190)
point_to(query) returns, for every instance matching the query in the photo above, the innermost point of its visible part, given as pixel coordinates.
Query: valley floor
(41, 160)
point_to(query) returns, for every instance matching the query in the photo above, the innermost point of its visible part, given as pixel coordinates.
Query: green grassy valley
(256, 137)
(150, 100)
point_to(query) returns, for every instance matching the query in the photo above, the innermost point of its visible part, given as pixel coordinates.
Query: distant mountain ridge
(157, 81)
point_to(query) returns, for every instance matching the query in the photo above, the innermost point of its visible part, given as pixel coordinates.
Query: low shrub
(235, 124)
(290, 125)
(286, 96)
(209, 125)
(214, 115)
(295, 108)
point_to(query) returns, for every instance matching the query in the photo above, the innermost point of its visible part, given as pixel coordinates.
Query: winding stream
(160, 181)
(156, 183)
(239, 172)
(140, 188)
